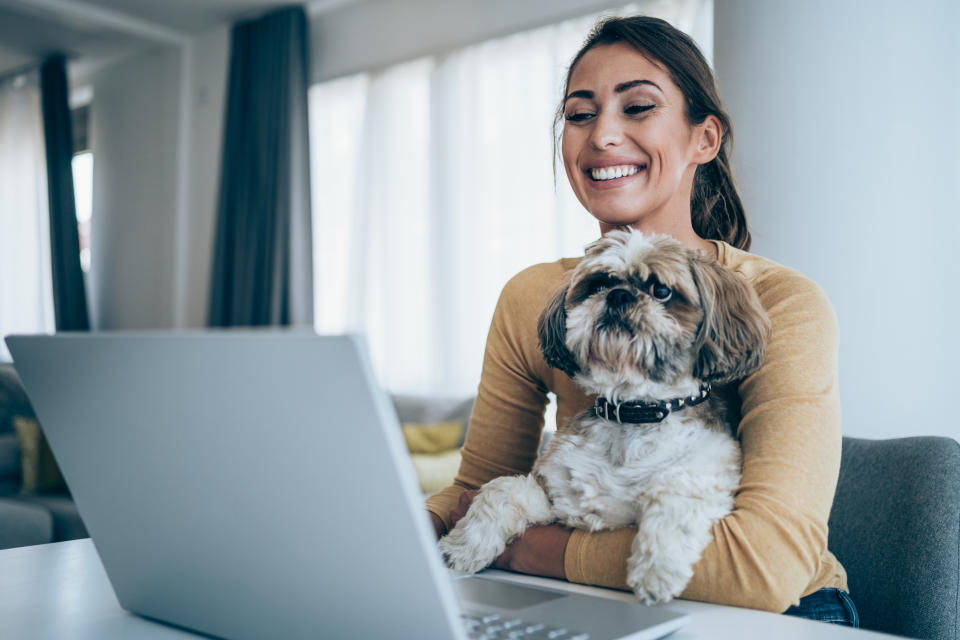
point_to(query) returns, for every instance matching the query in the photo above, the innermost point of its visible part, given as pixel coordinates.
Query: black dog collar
(638, 412)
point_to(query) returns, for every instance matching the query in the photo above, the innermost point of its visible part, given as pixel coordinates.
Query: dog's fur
(608, 331)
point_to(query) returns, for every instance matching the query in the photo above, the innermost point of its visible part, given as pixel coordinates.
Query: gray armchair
(895, 527)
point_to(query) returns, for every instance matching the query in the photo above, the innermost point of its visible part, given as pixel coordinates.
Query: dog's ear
(552, 328)
(734, 331)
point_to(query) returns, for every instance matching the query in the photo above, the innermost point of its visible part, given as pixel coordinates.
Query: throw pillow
(432, 438)
(436, 470)
(40, 471)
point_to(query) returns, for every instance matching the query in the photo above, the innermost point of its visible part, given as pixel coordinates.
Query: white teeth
(610, 173)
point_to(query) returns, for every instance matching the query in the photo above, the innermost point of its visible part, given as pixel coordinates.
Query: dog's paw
(656, 582)
(470, 551)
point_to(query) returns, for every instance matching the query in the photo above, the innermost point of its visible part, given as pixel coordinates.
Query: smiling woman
(645, 144)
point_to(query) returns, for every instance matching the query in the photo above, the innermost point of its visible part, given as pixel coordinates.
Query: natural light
(433, 184)
(83, 194)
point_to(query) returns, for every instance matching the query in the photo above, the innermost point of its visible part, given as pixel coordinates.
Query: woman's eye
(580, 116)
(660, 292)
(637, 109)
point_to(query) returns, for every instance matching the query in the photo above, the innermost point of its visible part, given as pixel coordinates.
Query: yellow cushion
(432, 438)
(40, 471)
(436, 470)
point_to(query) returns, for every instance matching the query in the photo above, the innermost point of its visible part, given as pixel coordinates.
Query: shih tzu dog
(647, 326)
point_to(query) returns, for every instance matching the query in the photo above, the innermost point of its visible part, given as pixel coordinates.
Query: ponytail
(715, 206)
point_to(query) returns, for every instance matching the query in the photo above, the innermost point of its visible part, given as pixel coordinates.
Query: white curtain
(26, 289)
(433, 184)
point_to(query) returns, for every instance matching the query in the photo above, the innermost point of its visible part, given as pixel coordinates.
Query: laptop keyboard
(495, 627)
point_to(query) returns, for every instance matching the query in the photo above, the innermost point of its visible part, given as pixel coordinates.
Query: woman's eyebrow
(620, 88)
(624, 86)
(582, 93)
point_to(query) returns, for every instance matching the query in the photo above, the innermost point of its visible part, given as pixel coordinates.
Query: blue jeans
(827, 605)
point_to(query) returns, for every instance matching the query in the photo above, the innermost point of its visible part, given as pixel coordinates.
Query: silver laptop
(256, 485)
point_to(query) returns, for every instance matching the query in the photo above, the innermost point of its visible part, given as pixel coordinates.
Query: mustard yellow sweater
(772, 549)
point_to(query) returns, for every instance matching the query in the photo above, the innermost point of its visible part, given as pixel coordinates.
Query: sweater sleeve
(503, 436)
(770, 550)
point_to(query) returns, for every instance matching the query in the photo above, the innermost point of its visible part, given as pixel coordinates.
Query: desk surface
(57, 591)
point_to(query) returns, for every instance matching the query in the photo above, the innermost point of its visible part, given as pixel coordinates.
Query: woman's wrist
(539, 551)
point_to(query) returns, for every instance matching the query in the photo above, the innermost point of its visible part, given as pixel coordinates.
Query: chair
(895, 527)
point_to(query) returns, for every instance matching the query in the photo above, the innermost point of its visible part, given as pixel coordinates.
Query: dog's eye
(660, 292)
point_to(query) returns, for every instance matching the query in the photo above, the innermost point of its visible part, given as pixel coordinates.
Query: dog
(649, 327)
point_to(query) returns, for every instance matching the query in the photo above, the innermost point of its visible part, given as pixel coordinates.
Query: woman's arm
(504, 432)
(773, 547)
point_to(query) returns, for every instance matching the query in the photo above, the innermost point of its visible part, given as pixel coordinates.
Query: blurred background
(385, 166)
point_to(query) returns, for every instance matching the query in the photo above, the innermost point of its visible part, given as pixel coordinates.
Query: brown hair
(715, 207)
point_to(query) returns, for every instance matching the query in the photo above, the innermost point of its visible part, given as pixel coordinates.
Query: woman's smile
(615, 173)
(615, 176)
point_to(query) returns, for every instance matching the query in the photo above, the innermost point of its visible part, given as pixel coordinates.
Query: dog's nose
(618, 298)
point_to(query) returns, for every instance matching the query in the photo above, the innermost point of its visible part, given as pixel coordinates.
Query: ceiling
(93, 32)
(186, 15)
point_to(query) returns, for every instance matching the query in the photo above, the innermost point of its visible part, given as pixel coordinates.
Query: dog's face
(643, 312)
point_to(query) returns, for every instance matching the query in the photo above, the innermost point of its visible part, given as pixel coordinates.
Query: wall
(847, 139)
(156, 130)
(209, 83)
(134, 125)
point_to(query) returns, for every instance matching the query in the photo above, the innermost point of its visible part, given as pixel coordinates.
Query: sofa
(38, 512)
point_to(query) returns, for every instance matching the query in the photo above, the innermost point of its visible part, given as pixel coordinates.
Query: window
(83, 179)
(433, 184)
(26, 289)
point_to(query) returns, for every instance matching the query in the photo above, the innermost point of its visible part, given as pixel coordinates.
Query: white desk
(60, 592)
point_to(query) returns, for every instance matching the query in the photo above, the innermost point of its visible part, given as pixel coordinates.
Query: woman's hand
(539, 551)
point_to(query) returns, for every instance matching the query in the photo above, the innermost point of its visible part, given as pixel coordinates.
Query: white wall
(134, 125)
(846, 144)
(156, 175)
(209, 84)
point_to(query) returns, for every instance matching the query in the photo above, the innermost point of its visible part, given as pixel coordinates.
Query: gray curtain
(69, 293)
(262, 270)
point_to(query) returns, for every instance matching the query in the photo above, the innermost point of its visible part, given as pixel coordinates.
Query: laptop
(255, 484)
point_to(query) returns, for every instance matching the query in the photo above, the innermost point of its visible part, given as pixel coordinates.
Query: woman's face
(629, 152)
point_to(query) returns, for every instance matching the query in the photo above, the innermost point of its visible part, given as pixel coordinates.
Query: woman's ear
(735, 327)
(552, 328)
(708, 136)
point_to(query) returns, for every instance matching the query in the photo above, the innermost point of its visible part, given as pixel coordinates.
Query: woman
(645, 144)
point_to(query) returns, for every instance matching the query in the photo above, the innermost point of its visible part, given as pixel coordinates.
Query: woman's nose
(607, 131)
